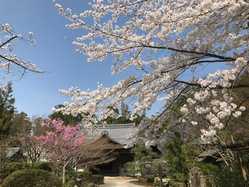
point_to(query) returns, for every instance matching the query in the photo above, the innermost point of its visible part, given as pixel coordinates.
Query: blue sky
(36, 94)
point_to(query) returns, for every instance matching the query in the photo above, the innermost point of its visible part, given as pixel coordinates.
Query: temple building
(111, 146)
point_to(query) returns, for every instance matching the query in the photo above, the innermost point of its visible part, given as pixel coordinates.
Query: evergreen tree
(7, 110)
(177, 159)
(21, 125)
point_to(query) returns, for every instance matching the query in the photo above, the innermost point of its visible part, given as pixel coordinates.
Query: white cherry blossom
(7, 57)
(165, 41)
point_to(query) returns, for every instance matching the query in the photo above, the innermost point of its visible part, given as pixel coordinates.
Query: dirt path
(121, 182)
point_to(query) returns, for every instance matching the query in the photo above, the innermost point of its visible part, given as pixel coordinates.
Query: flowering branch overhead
(7, 57)
(175, 43)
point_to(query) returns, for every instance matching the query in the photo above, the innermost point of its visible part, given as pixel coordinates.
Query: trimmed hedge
(12, 167)
(31, 178)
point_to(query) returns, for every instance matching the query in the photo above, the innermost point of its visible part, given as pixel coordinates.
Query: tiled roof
(124, 134)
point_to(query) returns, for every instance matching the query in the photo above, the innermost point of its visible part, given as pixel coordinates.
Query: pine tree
(7, 110)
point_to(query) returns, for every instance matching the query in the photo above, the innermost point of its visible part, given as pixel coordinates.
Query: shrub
(131, 169)
(228, 178)
(85, 179)
(90, 185)
(31, 178)
(11, 167)
(223, 176)
(14, 166)
(81, 179)
(150, 179)
(70, 183)
(43, 165)
(85, 176)
(98, 179)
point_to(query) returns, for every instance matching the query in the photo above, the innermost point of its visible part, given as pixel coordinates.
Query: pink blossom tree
(62, 144)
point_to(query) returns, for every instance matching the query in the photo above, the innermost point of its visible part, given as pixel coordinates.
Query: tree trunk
(63, 175)
(161, 181)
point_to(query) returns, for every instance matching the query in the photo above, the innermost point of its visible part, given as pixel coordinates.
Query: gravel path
(121, 182)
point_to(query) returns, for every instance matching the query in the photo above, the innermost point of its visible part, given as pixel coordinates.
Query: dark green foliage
(130, 169)
(31, 178)
(208, 168)
(90, 185)
(70, 183)
(176, 158)
(78, 178)
(119, 120)
(160, 168)
(12, 167)
(84, 176)
(122, 116)
(12, 124)
(66, 118)
(142, 164)
(138, 118)
(223, 175)
(7, 110)
(142, 153)
(98, 179)
(84, 179)
(21, 125)
(43, 166)
(123, 120)
(147, 164)
(228, 178)
(150, 179)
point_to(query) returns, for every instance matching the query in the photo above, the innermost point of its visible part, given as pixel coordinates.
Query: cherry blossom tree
(7, 56)
(61, 144)
(174, 44)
